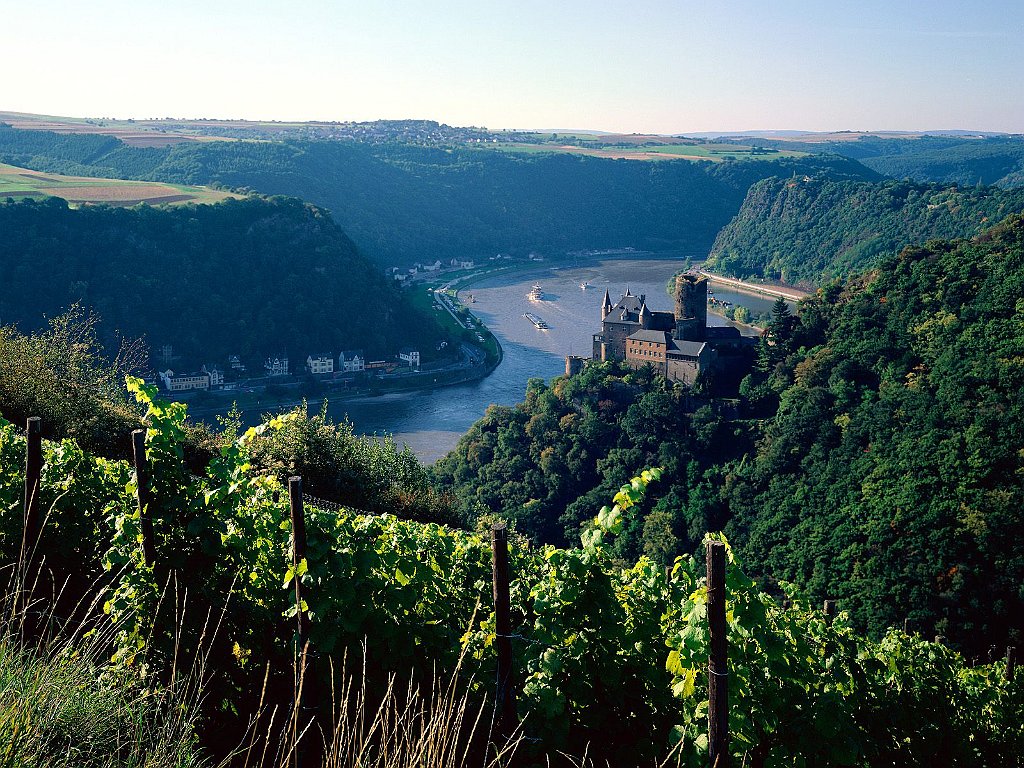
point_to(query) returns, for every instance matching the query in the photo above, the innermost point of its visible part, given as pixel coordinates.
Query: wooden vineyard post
(830, 611)
(1011, 663)
(298, 555)
(33, 484)
(31, 522)
(505, 702)
(143, 498)
(305, 697)
(718, 680)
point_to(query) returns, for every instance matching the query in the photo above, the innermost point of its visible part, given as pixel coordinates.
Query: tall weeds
(440, 725)
(64, 705)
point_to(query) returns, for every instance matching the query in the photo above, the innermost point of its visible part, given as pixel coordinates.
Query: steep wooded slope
(878, 460)
(806, 230)
(247, 277)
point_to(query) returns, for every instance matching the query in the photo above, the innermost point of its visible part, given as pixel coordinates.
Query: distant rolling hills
(403, 202)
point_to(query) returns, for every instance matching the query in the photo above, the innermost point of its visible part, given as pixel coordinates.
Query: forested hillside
(964, 160)
(548, 461)
(404, 203)
(804, 230)
(880, 462)
(892, 476)
(247, 277)
(997, 160)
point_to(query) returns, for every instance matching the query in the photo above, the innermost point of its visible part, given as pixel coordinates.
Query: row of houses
(211, 376)
(401, 275)
(354, 361)
(349, 361)
(207, 377)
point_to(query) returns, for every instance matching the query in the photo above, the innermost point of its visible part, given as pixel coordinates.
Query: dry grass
(62, 705)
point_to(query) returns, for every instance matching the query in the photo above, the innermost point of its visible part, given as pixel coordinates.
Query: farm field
(21, 183)
(141, 133)
(654, 151)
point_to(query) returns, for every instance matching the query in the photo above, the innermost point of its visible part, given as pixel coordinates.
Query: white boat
(536, 293)
(537, 322)
(584, 285)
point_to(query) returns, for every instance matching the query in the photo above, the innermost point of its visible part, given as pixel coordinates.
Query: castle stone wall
(691, 307)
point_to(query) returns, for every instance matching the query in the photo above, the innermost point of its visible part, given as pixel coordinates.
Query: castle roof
(721, 332)
(630, 303)
(619, 320)
(659, 337)
(687, 348)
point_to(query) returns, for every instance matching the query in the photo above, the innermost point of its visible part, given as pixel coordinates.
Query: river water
(431, 422)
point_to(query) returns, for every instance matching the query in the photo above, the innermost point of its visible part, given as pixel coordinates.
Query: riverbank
(757, 330)
(218, 402)
(765, 289)
(481, 354)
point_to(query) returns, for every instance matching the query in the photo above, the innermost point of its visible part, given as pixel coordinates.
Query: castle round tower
(691, 307)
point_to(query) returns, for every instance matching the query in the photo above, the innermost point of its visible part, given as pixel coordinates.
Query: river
(431, 422)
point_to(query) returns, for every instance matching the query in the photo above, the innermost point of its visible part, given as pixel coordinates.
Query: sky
(649, 66)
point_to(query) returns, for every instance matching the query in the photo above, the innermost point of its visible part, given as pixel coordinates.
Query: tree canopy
(251, 277)
(874, 457)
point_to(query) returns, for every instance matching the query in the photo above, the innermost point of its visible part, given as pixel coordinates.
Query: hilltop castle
(679, 345)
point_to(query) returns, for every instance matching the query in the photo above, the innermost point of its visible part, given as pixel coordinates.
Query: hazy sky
(643, 66)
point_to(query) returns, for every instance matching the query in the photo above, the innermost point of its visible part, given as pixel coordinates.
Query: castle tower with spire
(620, 320)
(678, 345)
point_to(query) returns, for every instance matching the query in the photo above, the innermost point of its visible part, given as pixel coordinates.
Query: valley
(569, 386)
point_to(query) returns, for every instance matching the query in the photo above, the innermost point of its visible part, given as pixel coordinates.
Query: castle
(679, 345)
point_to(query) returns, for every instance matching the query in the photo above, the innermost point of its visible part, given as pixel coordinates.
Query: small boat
(584, 285)
(536, 293)
(472, 298)
(537, 322)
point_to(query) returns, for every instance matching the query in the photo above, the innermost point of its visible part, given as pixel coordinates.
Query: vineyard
(607, 659)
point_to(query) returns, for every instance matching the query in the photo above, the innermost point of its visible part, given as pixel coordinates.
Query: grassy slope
(22, 183)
